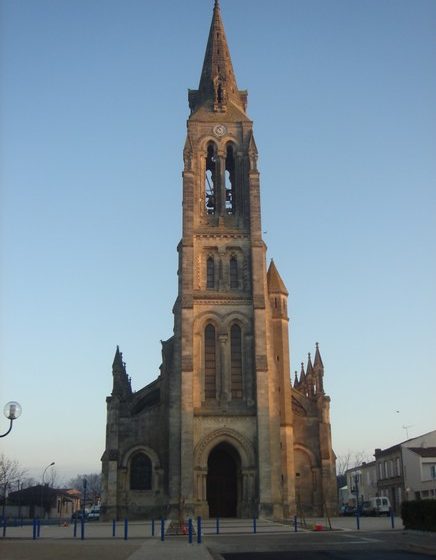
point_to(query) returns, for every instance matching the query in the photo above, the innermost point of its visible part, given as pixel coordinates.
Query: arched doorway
(223, 468)
(303, 482)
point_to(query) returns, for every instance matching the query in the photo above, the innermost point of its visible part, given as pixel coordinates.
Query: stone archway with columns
(247, 487)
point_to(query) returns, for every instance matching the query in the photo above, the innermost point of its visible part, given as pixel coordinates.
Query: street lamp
(356, 488)
(42, 487)
(12, 411)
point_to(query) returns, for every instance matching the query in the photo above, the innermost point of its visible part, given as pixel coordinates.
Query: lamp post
(42, 487)
(12, 411)
(356, 488)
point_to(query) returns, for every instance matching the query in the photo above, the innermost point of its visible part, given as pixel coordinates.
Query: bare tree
(10, 472)
(93, 486)
(351, 459)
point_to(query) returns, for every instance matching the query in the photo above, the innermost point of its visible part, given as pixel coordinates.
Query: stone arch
(305, 483)
(221, 143)
(243, 452)
(242, 445)
(156, 479)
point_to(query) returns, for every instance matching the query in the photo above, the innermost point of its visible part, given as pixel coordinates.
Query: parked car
(348, 510)
(94, 513)
(377, 506)
(79, 514)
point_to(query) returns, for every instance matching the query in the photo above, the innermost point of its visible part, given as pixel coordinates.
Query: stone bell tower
(221, 432)
(229, 381)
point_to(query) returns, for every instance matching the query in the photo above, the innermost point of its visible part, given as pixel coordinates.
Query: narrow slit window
(210, 273)
(209, 362)
(236, 361)
(234, 280)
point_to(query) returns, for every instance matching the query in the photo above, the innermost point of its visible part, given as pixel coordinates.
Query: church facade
(222, 431)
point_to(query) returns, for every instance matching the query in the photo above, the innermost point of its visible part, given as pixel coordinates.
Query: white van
(376, 506)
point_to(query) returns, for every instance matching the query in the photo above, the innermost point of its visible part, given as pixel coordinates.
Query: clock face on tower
(219, 130)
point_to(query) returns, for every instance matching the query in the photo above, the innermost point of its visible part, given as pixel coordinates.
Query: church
(222, 431)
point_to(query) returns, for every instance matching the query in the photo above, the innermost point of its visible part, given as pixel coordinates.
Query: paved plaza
(236, 539)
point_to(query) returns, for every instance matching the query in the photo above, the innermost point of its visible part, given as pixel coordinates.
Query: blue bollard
(126, 528)
(152, 527)
(114, 525)
(392, 520)
(190, 530)
(199, 530)
(82, 529)
(217, 525)
(295, 523)
(75, 527)
(357, 520)
(162, 529)
(254, 525)
(5, 524)
(34, 529)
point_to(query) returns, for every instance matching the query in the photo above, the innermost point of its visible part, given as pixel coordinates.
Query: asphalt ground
(236, 541)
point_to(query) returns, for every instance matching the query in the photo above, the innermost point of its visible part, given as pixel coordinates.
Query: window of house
(210, 273)
(433, 471)
(210, 362)
(236, 361)
(398, 473)
(140, 472)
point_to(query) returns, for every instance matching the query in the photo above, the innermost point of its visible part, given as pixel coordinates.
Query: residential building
(419, 465)
(396, 481)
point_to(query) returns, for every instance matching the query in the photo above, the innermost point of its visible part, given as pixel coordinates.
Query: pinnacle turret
(317, 364)
(121, 385)
(275, 282)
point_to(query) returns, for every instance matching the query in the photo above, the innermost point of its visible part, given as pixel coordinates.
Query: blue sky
(93, 115)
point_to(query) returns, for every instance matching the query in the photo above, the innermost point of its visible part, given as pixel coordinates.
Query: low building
(362, 479)
(43, 501)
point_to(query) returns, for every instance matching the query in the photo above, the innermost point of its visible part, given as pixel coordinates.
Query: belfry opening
(223, 481)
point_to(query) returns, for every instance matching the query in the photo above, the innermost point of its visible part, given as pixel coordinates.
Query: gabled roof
(424, 451)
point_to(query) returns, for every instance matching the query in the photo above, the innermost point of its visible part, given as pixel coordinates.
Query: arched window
(236, 361)
(209, 362)
(140, 472)
(234, 282)
(210, 180)
(230, 181)
(210, 273)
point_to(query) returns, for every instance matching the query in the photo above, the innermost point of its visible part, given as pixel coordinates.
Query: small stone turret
(121, 382)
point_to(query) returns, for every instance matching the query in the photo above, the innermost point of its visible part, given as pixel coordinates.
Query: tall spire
(217, 86)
